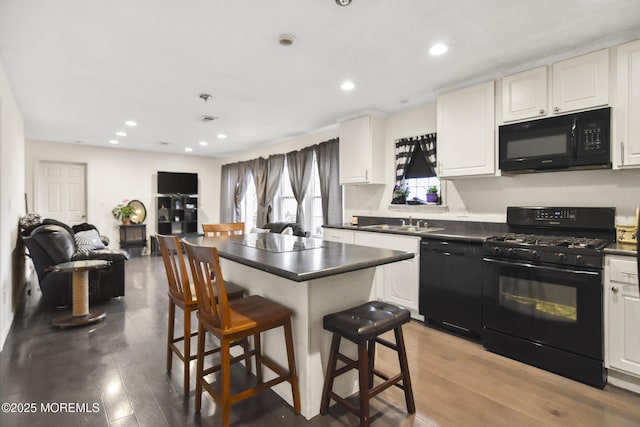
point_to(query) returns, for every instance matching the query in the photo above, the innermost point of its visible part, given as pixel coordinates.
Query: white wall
(475, 199)
(11, 204)
(115, 174)
(286, 145)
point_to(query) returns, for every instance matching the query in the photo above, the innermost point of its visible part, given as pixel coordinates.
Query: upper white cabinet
(576, 84)
(466, 123)
(362, 150)
(626, 134)
(524, 95)
(581, 82)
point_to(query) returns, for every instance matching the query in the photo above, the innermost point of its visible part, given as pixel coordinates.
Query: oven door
(555, 306)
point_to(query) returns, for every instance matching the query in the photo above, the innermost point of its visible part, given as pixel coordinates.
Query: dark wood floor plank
(119, 364)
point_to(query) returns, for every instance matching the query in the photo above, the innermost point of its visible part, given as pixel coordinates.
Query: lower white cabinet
(398, 282)
(337, 235)
(622, 322)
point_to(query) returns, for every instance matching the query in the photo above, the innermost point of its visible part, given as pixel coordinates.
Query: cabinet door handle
(614, 289)
(622, 152)
(366, 175)
(557, 109)
(541, 112)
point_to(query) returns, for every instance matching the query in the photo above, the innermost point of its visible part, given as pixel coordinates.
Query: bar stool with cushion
(183, 295)
(231, 321)
(363, 325)
(224, 229)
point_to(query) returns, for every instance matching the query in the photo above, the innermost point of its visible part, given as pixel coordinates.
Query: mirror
(139, 211)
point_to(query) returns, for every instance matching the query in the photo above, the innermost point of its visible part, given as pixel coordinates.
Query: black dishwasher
(451, 284)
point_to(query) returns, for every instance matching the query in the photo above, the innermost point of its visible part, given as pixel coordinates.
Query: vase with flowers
(400, 194)
(123, 212)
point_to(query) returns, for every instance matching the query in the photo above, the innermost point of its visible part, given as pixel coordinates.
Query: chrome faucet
(410, 221)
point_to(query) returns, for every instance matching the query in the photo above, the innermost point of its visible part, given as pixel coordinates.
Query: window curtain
(233, 184)
(404, 151)
(299, 164)
(327, 154)
(228, 178)
(427, 144)
(259, 168)
(275, 167)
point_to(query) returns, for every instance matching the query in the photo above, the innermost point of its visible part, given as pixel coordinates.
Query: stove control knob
(580, 259)
(562, 256)
(535, 254)
(497, 250)
(511, 252)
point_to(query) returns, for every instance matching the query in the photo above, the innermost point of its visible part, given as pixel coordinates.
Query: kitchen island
(311, 277)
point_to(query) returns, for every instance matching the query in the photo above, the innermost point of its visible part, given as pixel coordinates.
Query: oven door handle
(541, 267)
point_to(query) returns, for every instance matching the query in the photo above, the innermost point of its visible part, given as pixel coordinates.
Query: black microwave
(571, 141)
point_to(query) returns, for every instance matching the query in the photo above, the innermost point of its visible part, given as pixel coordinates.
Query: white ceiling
(80, 68)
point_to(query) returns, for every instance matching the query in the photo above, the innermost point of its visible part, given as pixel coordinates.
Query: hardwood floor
(119, 365)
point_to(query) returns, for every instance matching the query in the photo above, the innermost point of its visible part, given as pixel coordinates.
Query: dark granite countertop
(321, 259)
(626, 249)
(442, 229)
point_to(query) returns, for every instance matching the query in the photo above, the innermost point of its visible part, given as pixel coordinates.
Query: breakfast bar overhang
(313, 278)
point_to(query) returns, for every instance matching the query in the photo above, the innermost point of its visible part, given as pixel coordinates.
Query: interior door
(61, 191)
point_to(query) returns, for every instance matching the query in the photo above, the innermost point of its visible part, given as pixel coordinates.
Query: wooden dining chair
(224, 229)
(230, 321)
(183, 295)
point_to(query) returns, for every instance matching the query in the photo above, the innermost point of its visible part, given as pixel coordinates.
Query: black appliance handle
(541, 267)
(574, 142)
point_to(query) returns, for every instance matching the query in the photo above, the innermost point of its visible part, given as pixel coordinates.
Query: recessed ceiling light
(438, 49)
(130, 123)
(222, 136)
(120, 133)
(188, 149)
(114, 142)
(347, 86)
(204, 143)
(286, 39)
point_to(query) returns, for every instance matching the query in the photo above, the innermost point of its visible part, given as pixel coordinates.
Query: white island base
(309, 301)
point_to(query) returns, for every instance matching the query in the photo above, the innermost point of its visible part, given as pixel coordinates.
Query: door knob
(614, 289)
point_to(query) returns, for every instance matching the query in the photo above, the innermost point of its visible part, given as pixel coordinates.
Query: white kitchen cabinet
(362, 150)
(626, 126)
(578, 83)
(466, 132)
(337, 235)
(398, 282)
(581, 82)
(524, 95)
(622, 318)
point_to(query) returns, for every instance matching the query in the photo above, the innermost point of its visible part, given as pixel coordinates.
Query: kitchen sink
(405, 228)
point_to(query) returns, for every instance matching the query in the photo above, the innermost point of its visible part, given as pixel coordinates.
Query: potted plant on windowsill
(432, 194)
(400, 194)
(123, 213)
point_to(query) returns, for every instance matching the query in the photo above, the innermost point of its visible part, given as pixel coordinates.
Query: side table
(81, 315)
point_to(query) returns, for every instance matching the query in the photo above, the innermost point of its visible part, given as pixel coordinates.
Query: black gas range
(542, 289)
(562, 250)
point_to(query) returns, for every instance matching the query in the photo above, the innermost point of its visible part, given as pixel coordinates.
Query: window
(419, 187)
(285, 205)
(250, 206)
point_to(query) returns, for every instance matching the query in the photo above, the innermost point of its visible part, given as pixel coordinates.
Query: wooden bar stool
(224, 229)
(183, 295)
(363, 325)
(231, 321)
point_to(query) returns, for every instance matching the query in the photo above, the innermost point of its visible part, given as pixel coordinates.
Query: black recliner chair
(51, 244)
(279, 227)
